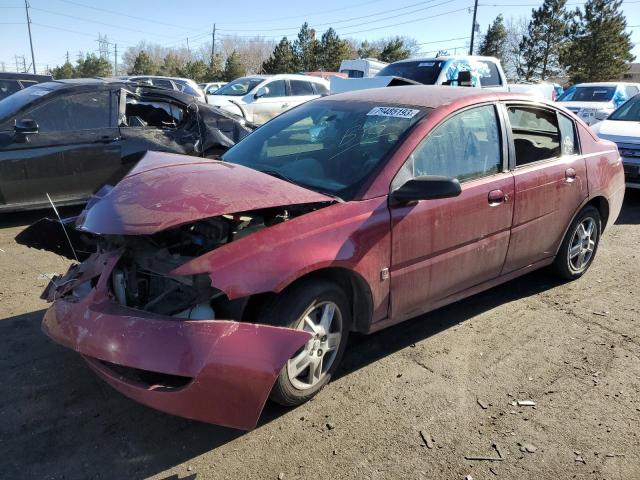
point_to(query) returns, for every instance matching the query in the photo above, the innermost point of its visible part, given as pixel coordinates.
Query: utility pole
(33, 60)
(213, 44)
(473, 27)
(67, 56)
(115, 60)
(24, 65)
(188, 49)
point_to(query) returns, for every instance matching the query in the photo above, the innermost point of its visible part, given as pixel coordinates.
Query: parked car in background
(468, 71)
(543, 90)
(361, 67)
(68, 138)
(12, 82)
(218, 284)
(259, 98)
(184, 85)
(623, 128)
(592, 102)
(209, 88)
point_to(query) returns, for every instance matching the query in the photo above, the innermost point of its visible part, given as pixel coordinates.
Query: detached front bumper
(215, 371)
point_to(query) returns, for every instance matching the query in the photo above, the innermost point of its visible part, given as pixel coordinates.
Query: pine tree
(599, 46)
(368, 50)
(494, 42)
(65, 71)
(395, 50)
(195, 70)
(143, 65)
(93, 66)
(541, 44)
(233, 68)
(332, 50)
(306, 48)
(172, 64)
(282, 60)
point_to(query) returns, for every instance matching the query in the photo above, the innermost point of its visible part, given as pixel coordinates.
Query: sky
(59, 26)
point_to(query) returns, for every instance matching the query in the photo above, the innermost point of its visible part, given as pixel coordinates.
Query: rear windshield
(588, 94)
(7, 87)
(424, 72)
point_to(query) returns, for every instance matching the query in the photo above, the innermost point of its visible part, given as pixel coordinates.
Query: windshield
(239, 87)
(588, 94)
(329, 146)
(629, 111)
(11, 104)
(424, 72)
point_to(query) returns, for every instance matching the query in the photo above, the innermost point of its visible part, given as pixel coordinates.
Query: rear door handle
(496, 197)
(569, 175)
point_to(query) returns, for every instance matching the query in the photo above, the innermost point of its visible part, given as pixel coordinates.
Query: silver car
(259, 98)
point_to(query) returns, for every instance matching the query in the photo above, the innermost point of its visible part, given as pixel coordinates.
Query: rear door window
(300, 87)
(163, 83)
(536, 135)
(569, 139)
(321, 89)
(489, 74)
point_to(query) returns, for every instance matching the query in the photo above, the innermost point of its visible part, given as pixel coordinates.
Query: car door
(550, 181)
(441, 247)
(74, 152)
(269, 100)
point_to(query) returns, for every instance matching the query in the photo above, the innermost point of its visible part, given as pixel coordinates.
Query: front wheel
(580, 244)
(322, 309)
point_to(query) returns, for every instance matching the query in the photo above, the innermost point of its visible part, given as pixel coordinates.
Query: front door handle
(496, 197)
(569, 175)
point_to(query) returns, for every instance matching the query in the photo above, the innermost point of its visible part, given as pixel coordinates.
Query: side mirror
(26, 126)
(464, 79)
(602, 115)
(425, 188)
(261, 92)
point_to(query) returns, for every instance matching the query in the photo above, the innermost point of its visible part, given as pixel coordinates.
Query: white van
(361, 67)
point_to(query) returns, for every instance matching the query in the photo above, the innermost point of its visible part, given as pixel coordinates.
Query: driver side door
(272, 101)
(444, 246)
(74, 152)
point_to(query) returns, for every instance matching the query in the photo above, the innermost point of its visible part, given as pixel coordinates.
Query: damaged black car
(68, 138)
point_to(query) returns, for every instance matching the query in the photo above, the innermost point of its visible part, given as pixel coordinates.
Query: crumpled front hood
(166, 190)
(219, 100)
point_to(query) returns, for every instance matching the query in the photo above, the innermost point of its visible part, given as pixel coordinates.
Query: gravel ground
(450, 378)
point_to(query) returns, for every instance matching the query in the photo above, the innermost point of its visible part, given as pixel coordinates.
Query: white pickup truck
(484, 72)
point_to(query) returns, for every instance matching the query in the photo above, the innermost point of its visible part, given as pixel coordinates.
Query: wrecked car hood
(167, 190)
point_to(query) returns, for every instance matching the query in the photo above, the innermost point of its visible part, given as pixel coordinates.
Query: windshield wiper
(281, 176)
(275, 173)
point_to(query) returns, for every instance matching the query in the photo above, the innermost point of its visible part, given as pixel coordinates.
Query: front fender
(352, 235)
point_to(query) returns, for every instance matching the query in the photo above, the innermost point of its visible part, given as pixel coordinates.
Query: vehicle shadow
(64, 422)
(630, 213)
(26, 218)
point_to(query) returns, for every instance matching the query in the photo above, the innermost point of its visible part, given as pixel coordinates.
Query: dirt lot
(574, 349)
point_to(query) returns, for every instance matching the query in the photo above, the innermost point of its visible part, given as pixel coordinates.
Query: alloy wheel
(311, 363)
(582, 245)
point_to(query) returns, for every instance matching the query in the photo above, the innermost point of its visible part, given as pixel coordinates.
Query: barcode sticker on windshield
(393, 112)
(426, 64)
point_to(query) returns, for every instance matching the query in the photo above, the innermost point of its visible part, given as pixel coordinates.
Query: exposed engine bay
(141, 279)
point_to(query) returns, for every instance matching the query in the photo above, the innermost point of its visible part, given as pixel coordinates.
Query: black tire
(287, 310)
(565, 264)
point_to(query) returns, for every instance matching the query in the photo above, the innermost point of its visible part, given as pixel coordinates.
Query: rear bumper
(225, 369)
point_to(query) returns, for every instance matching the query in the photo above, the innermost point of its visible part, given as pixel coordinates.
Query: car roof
(285, 76)
(603, 84)
(445, 58)
(430, 96)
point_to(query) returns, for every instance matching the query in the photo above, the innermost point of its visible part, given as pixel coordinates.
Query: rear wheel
(580, 244)
(322, 309)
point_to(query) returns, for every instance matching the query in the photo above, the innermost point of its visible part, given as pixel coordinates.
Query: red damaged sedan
(206, 287)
